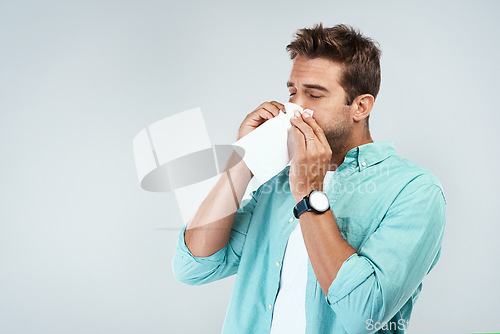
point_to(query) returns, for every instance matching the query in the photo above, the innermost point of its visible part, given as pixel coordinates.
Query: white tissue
(176, 154)
(269, 148)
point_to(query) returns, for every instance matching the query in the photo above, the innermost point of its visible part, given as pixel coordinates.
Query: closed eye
(313, 96)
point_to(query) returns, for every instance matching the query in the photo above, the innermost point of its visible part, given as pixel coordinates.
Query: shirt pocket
(356, 230)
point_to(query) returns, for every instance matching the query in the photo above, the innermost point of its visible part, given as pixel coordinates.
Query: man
(365, 237)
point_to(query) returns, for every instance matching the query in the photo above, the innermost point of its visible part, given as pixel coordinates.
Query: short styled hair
(345, 45)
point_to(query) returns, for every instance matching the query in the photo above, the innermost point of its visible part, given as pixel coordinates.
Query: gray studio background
(83, 249)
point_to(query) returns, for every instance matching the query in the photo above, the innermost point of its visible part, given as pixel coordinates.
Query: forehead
(318, 71)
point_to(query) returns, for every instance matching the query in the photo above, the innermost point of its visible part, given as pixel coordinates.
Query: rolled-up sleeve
(387, 269)
(195, 270)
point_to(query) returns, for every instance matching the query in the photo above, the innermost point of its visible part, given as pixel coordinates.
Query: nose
(297, 99)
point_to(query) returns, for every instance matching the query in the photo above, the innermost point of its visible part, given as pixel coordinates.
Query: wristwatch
(316, 201)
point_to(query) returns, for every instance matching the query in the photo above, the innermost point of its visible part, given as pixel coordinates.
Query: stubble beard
(338, 138)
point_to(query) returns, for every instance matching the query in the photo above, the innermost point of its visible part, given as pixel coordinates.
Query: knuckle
(262, 106)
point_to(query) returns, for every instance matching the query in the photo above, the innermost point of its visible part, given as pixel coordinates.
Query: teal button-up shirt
(389, 209)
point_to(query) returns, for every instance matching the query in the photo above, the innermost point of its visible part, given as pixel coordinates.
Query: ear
(363, 105)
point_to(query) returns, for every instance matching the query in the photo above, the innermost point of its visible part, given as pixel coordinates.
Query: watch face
(319, 201)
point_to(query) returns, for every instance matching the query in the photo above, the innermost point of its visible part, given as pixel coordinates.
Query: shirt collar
(366, 155)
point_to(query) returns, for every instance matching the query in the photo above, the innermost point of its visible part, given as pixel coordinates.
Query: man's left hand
(311, 156)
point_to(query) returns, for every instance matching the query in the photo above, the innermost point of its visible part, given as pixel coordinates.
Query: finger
(264, 112)
(298, 140)
(261, 115)
(309, 120)
(273, 109)
(268, 114)
(279, 105)
(303, 127)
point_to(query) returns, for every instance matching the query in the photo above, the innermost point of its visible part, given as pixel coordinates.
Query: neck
(338, 155)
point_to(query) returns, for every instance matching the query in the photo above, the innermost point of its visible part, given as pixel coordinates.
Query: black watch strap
(300, 208)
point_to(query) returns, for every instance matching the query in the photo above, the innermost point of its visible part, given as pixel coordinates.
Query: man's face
(314, 84)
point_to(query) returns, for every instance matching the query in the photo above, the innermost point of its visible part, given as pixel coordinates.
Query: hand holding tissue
(269, 148)
(168, 156)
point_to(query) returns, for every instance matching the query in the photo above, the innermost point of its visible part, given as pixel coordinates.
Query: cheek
(328, 119)
(323, 110)
(321, 119)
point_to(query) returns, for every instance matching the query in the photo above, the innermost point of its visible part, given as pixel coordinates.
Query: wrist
(300, 195)
(316, 201)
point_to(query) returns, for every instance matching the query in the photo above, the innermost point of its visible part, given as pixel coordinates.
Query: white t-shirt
(289, 315)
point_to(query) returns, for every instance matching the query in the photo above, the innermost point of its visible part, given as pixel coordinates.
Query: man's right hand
(265, 111)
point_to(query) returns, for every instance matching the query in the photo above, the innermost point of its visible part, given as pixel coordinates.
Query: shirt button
(270, 306)
(290, 220)
(277, 264)
(363, 164)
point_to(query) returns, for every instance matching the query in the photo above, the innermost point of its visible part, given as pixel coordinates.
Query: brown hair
(347, 46)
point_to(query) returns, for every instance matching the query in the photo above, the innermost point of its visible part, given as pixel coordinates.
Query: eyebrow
(312, 86)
